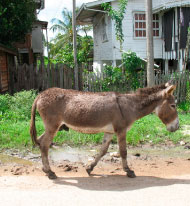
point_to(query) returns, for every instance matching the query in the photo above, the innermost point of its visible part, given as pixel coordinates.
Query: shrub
(18, 106)
(184, 107)
(4, 103)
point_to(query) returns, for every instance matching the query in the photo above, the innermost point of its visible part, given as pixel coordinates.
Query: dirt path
(163, 178)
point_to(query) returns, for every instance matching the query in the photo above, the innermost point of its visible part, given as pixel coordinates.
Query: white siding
(132, 43)
(103, 50)
(37, 39)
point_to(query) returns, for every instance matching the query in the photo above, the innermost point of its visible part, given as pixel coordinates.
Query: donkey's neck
(142, 105)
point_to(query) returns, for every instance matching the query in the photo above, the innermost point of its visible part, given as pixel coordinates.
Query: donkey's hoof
(131, 174)
(52, 175)
(89, 170)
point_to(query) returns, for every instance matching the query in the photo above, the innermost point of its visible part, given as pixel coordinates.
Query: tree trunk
(150, 49)
(75, 46)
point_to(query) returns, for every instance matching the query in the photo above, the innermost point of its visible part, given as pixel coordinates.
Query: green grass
(15, 134)
(15, 121)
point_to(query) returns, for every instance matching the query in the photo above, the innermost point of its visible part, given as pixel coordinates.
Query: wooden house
(7, 59)
(170, 22)
(31, 48)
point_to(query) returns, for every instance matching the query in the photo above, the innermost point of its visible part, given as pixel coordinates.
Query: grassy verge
(15, 121)
(15, 134)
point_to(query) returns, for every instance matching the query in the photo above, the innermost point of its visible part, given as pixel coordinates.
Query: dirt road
(161, 180)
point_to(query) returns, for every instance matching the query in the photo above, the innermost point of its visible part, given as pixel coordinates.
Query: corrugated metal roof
(85, 16)
(168, 4)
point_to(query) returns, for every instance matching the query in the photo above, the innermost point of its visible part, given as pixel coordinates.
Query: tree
(16, 19)
(150, 49)
(61, 47)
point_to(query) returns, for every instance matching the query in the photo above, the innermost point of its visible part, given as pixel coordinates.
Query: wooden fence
(41, 77)
(93, 82)
(181, 79)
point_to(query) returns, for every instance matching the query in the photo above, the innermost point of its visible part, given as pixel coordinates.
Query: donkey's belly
(92, 130)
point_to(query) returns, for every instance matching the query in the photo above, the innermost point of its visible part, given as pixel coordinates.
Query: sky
(53, 9)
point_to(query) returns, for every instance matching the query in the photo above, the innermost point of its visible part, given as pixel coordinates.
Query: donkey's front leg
(123, 154)
(106, 142)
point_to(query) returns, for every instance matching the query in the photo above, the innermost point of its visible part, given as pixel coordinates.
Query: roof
(168, 4)
(87, 11)
(7, 49)
(44, 24)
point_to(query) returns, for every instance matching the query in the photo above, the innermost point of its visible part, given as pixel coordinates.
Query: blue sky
(53, 9)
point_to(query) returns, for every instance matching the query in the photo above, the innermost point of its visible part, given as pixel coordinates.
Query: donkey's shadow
(118, 182)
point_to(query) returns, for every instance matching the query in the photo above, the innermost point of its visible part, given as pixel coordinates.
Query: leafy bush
(4, 103)
(18, 106)
(113, 78)
(131, 63)
(117, 80)
(184, 107)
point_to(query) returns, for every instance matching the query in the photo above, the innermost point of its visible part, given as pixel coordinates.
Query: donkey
(108, 112)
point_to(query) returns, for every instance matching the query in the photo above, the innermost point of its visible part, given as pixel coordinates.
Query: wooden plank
(57, 76)
(61, 76)
(53, 75)
(27, 80)
(31, 73)
(65, 77)
(48, 76)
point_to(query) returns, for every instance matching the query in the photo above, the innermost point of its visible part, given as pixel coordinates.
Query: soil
(163, 177)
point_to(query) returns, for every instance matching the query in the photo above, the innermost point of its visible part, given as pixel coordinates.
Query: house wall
(37, 39)
(4, 76)
(103, 49)
(132, 43)
(109, 52)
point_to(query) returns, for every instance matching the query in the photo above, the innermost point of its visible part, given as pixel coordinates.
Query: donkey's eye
(173, 106)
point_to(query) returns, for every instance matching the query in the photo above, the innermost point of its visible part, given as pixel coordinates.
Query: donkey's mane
(151, 90)
(142, 100)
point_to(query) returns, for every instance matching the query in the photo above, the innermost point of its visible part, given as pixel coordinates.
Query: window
(155, 25)
(140, 25)
(104, 29)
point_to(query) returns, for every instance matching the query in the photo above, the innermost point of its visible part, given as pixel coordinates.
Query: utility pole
(150, 48)
(75, 46)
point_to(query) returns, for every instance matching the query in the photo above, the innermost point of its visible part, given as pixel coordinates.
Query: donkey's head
(166, 110)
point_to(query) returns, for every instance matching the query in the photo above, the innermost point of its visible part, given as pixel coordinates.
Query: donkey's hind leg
(45, 141)
(123, 154)
(104, 148)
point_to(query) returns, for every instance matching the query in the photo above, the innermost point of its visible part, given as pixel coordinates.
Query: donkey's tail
(33, 132)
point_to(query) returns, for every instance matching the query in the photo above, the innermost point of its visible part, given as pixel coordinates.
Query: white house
(170, 22)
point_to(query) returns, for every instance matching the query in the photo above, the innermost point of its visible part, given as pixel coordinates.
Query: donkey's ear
(169, 83)
(169, 90)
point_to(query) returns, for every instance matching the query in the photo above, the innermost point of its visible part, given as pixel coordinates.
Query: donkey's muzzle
(173, 126)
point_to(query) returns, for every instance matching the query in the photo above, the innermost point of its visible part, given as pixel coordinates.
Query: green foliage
(118, 17)
(17, 18)
(4, 103)
(17, 107)
(131, 62)
(184, 106)
(61, 47)
(115, 79)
